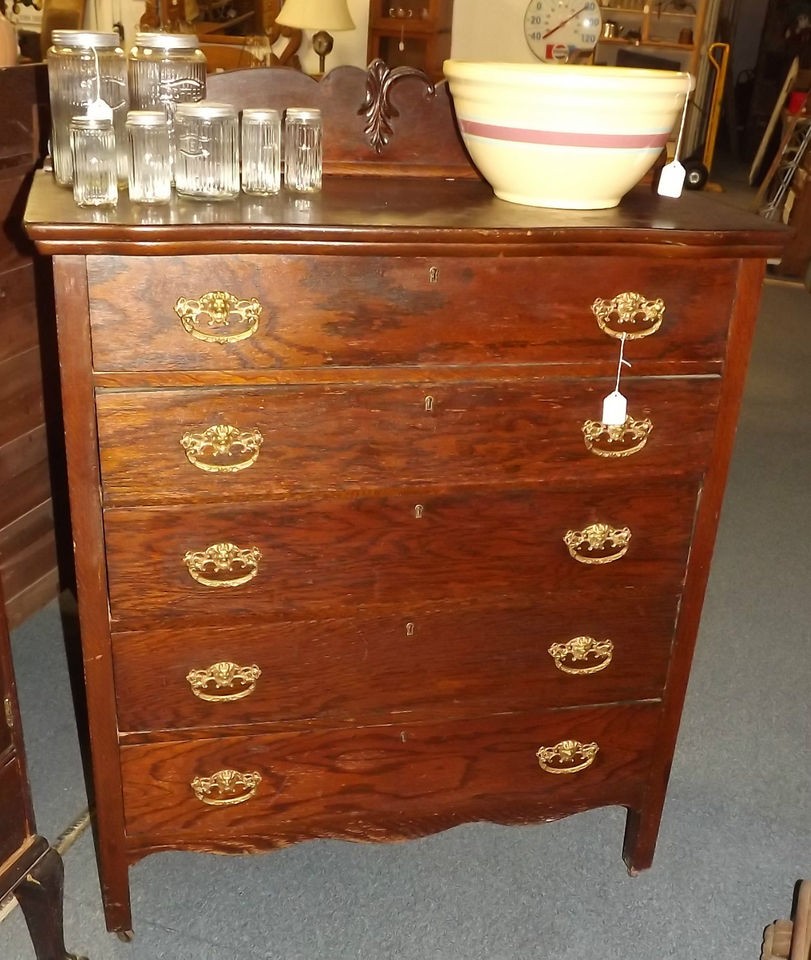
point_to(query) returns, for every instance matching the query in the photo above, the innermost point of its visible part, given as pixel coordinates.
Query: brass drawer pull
(212, 317)
(582, 655)
(628, 315)
(226, 788)
(597, 536)
(222, 440)
(599, 437)
(224, 675)
(223, 564)
(568, 756)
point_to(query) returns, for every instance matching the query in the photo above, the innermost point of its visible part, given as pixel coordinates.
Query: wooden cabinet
(671, 32)
(30, 868)
(28, 376)
(366, 563)
(413, 33)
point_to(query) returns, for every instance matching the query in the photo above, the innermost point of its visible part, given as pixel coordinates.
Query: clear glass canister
(165, 69)
(302, 149)
(92, 143)
(261, 151)
(206, 150)
(150, 172)
(87, 76)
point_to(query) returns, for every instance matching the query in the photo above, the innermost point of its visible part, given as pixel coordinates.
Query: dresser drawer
(237, 444)
(435, 663)
(360, 311)
(357, 782)
(292, 559)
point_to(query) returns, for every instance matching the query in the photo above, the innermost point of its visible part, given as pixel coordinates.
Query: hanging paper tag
(99, 110)
(614, 409)
(671, 180)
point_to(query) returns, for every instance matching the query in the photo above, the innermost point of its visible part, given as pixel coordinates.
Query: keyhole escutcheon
(418, 511)
(433, 274)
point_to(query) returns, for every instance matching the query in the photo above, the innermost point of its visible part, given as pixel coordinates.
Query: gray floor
(736, 834)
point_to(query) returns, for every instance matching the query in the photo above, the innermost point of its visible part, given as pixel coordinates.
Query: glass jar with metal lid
(206, 150)
(87, 76)
(165, 69)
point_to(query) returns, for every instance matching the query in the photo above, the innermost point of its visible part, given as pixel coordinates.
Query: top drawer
(287, 312)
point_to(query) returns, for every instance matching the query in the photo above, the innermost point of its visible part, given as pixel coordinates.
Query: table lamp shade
(316, 15)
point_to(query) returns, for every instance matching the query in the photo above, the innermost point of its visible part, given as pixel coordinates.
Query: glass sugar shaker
(302, 149)
(206, 150)
(165, 69)
(261, 151)
(150, 170)
(87, 76)
(95, 181)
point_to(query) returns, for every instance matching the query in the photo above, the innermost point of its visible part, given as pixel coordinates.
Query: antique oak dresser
(356, 555)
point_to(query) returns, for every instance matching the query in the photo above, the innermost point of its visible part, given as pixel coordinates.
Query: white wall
(488, 30)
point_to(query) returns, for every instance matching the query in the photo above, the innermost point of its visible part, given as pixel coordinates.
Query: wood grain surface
(321, 438)
(421, 663)
(364, 311)
(342, 553)
(387, 782)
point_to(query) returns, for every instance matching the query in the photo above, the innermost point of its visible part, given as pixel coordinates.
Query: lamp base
(322, 45)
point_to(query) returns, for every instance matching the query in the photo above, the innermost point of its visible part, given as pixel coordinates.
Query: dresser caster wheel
(125, 936)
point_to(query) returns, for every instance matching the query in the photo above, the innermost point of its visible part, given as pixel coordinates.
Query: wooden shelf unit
(656, 30)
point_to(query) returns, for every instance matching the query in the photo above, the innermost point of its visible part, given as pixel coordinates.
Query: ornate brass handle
(223, 564)
(568, 756)
(222, 440)
(224, 675)
(628, 315)
(226, 788)
(582, 655)
(597, 536)
(599, 437)
(229, 319)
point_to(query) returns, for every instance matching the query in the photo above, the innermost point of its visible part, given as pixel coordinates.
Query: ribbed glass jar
(261, 151)
(165, 69)
(150, 172)
(92, 144)
(302, 149)
(83, 69)
(206, 150)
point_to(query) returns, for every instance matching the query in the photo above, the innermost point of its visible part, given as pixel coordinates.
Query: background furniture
(787, 939)
(29, 867)
(411, 33)
(367, 563)
(671, 31)
(30, 404)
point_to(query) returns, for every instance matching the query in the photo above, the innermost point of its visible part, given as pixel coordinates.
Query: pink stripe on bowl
(621, 141)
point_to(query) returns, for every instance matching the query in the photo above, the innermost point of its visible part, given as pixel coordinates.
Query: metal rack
(778, 181)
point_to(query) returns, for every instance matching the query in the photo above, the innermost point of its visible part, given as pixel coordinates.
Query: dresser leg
(641, 832)
(40, 898)
(115, 893)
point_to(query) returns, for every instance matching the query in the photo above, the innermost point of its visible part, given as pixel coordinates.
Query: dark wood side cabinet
(28, 553)
(412, 33)
(29, 867)
(356, 555)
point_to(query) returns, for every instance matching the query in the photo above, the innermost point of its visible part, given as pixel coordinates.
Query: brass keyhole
(433, 274)
(429, 404)
(418, 511)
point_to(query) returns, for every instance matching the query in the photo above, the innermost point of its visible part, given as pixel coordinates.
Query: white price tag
(614, 409)
(99, 110)
(671, 180)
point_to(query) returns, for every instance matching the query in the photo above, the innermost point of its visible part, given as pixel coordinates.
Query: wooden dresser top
(406, 214)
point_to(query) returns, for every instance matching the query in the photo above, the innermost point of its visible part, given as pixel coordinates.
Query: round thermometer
(557, 29)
